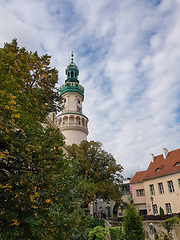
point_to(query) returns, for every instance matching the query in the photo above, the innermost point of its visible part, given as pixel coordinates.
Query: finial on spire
(72, 55)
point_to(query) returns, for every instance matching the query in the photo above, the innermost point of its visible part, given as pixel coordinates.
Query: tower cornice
(74, 127)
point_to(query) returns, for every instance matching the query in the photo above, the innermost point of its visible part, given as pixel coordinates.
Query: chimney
(152, 157)
(165, 152)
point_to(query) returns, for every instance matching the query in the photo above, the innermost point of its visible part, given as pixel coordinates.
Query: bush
(89, 224)
(133, 224)
(168, 222)
(161, 211)
(98, 233)
(116, 233)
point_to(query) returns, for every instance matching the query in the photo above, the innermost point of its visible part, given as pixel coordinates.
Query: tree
(41, 193)
(98, 166)
(133, 224)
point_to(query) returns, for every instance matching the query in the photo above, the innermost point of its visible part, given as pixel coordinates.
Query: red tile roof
(138, 177)
(162, 166)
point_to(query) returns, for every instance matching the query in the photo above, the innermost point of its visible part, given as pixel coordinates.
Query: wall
(74, 136)
(137, 199)
(72, 101)
(167, 197)
(161, 231)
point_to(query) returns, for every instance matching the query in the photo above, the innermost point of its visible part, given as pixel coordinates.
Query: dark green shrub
(168, 222)
(89, 224)
(116, 233)
(167, 225)
(133, 224)
(161, 211)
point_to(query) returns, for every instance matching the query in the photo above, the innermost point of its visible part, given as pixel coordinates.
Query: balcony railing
(73, 124)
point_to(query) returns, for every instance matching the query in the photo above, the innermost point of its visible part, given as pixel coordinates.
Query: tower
(72, 122)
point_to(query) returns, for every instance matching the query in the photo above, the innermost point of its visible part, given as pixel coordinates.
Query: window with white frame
(140, 192)
(161, 189)
(170, 185)
(168, 208)
(152, 189)
(155, 209)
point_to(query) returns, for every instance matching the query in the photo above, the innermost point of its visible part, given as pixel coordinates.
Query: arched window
(71, 74)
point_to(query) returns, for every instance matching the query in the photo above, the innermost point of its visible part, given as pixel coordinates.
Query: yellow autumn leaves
(15, 222)
(48, 200)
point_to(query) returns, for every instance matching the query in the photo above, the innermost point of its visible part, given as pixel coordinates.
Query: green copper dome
(72, 72)
(72, 83)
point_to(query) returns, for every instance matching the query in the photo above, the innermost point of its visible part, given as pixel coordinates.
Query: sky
(128, 55)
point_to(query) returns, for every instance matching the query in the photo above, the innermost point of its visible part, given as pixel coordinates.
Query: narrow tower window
(71, 74)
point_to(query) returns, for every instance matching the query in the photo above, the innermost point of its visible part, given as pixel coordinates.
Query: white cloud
(128, 53)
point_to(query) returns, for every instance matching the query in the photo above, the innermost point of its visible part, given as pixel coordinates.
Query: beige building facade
(163, 192)
(158, 186)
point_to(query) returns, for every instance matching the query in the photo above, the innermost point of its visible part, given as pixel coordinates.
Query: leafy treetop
(40, 189)
(100, 167)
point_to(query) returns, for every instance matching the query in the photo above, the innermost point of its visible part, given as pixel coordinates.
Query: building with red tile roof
(138, 177)
(159, 185)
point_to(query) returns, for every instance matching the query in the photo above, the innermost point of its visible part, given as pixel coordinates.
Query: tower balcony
(73, 121)
(72, 126)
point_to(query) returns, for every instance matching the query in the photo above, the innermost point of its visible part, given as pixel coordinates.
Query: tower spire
(72, 55)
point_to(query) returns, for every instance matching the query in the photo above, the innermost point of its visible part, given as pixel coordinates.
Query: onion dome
(72, 82)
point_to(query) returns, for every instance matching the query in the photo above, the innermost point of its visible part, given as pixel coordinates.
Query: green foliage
(161, 211)
(133, 224)
(168, 222)
(100, 168)
(156, 236)
(166, 237)
(98, 233)
(27, 85)
(167, 225)
(41, 191)
(116, 233)
(87, 225)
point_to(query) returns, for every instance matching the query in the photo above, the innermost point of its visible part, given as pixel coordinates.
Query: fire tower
(73, 124)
